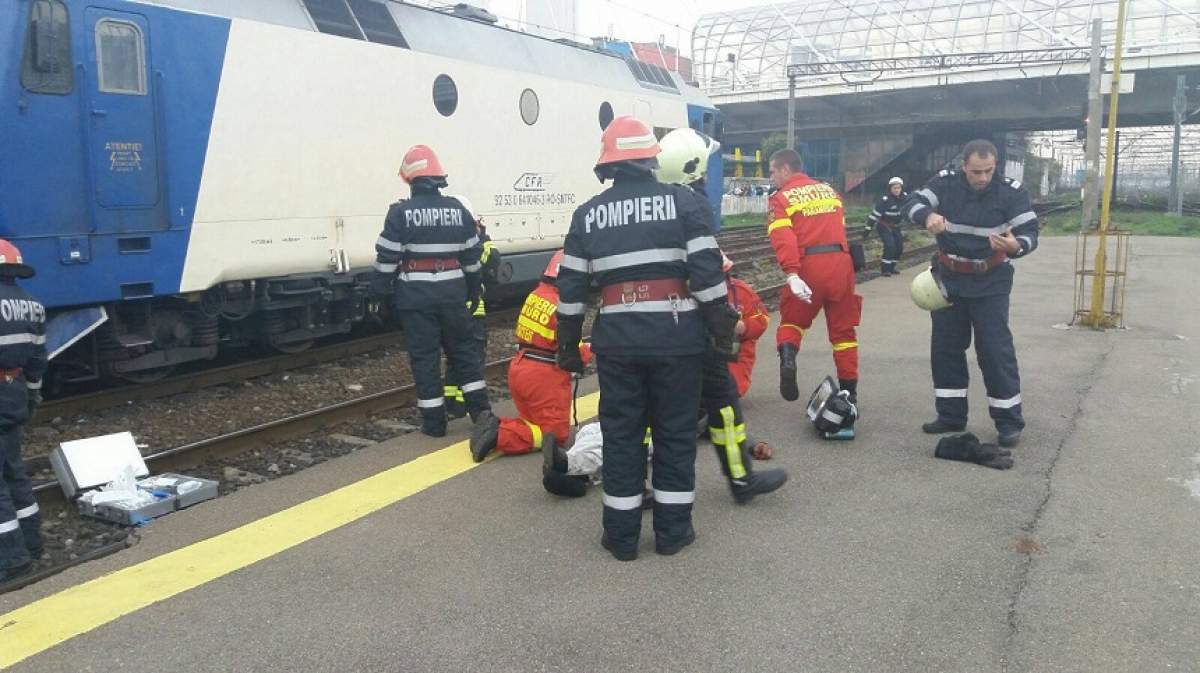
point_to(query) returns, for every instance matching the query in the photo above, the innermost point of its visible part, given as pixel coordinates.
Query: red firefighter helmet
(11, 262)
(420, 162)
(627, 138)
(551, 271)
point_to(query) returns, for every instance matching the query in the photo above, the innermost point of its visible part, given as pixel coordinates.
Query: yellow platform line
(43, 624)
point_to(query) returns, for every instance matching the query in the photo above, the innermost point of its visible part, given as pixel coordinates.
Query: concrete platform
(876, 557)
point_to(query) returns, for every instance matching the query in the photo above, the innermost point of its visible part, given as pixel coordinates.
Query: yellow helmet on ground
(928, 292)
(684, 157)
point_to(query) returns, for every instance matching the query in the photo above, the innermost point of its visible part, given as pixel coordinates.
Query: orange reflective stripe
(782, 222)
(788, 325)
(844, 345)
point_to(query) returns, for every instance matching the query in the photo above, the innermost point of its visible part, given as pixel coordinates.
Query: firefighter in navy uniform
(981, 222)
(886, 219)
(22, 364)
(489, 262)
(427, 259)
(684, 161)
(650, 249)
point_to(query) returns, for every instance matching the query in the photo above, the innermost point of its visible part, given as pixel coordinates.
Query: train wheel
(293, 347)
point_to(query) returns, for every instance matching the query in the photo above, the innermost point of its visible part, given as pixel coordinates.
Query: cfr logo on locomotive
(533, 182)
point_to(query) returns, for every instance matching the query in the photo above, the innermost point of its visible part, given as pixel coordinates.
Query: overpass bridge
(894, 88)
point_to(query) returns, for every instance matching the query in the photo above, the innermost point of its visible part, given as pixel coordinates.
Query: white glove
(799, 288)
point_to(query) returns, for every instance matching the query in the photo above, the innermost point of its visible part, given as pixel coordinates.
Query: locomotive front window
(445, 95)
(377, 23)
(333, 17)
(606, 115)
(120, 58)
(530, 108)
(46, 64)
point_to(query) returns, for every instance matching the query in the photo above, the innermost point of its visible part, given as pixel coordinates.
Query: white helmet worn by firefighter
(896, 181)
(928, 292)
(684, 157)
(830, 409)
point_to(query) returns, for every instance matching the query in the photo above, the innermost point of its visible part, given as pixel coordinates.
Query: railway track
(290, 427)
(229, 444)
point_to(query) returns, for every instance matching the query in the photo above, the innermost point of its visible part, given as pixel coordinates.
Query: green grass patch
(1142, 222)
(742, 221)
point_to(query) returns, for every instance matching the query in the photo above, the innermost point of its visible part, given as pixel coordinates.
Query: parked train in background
(188, 175)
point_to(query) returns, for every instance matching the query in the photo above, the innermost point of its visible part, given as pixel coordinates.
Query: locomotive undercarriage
(146, 340)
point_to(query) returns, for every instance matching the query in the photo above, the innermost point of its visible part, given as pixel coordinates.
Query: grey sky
(636, 20)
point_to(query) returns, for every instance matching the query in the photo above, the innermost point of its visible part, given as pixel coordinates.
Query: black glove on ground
(966, 447)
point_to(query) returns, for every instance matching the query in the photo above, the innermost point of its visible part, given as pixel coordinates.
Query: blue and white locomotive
(186, 174)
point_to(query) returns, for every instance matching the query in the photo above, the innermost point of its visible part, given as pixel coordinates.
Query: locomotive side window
(530, 108)
(333, 17)
(46, 64)
(445, 95)
(377, 22)
(120, 58)
(606, 115)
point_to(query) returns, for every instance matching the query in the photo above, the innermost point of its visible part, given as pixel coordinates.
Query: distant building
(655, 53)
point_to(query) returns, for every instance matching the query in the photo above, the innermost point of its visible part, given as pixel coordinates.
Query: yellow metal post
(1097, 317)
(758, 163)
(737, 162)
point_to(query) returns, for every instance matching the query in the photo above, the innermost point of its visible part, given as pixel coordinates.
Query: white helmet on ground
(896, 181)
(928, 292)
(684, 157)
(831, 409)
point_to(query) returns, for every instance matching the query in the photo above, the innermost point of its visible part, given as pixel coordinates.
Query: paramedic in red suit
(751, 326)
(541, 391)
(806, 225)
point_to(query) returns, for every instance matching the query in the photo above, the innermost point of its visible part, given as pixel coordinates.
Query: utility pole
(1097, 317)
(1091, 176)
(1175, 197)
(791, 113)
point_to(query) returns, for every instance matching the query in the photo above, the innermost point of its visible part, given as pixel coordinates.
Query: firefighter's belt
(538, 354)
(971, 266)
(630, 293)
(822, 249)
(429, 264)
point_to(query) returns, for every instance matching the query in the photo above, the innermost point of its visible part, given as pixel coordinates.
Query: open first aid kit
(109, 479)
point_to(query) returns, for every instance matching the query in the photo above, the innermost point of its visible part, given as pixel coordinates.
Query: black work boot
(455, 408)
(850, 386)
(619, 554)
(1009, 439)
(433, 422)
(941, 427)
(757, 483)
(484, 435)
(671, 547)
(554, 457)
(13, 573)
(787, 373)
